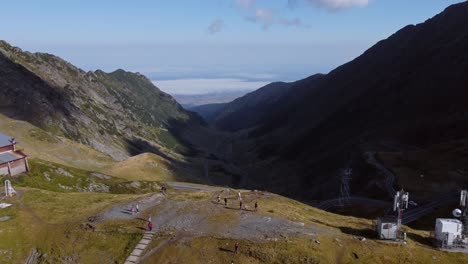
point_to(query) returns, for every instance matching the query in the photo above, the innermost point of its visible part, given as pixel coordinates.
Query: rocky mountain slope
(407, 90)
(118, 113)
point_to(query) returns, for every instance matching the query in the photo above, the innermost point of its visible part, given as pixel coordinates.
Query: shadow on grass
(427, 241)
(363, 232)
(226, 250)
(367, 232)
(233, 208)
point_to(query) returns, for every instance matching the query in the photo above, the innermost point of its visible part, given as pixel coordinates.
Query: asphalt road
(194, 186)
(410, 215)
(327, 204)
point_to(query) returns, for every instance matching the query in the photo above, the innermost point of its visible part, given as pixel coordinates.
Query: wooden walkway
(144, 242)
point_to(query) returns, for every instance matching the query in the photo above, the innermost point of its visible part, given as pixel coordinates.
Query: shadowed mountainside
(251, 109)
(408, 90)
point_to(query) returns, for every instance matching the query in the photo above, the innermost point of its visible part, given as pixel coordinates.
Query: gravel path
(204, 218)
(123, 211)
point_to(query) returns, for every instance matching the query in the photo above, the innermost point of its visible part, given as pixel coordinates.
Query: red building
(12, 161)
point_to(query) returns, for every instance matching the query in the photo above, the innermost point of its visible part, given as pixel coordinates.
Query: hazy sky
(196, 46)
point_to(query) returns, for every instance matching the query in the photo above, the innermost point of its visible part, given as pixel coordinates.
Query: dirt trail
(123, 211)
(206, 218)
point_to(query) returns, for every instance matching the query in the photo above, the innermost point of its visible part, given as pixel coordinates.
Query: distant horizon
(219, 45)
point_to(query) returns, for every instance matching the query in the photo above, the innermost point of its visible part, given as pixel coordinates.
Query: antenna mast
(464, 214)
(400, 204)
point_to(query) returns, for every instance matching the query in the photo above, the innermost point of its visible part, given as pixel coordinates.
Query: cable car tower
(464, 212)
(400, 204)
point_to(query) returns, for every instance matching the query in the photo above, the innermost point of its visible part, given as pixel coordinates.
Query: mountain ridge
(118, 113)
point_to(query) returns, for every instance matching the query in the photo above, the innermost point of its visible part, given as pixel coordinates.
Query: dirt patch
(123, 211)
(206, 218)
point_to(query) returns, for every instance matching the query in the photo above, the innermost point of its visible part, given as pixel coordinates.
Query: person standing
(225, 201)
(150, 226)
(132, 210)
(137, 208)
(256, 206)
(239, 197)
(236, 247)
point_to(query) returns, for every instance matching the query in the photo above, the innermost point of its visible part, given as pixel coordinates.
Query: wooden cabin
(12, 161)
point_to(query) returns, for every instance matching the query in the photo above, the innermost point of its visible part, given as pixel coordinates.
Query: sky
(205, 46)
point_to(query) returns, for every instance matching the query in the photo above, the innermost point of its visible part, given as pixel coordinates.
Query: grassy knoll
(59, 178)
(299, 250)
(40, 144)
(50, 221)
(143, 167)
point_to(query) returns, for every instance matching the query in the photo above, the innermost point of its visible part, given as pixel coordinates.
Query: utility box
(448, 231)
(387, 228)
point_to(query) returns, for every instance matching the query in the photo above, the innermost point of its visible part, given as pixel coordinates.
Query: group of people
(239, 198)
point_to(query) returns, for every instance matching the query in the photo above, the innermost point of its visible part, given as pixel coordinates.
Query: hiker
(137, 208)
(256, 206)
(225, 201)
(150, 226)
(236, 247)
(132, 210)
(239, 197)
(240, 205)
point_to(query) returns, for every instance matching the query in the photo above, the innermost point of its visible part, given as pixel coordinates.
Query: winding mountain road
(194, 186)
(425, 209)
(389, 176)
(410, 215)
(327, 204)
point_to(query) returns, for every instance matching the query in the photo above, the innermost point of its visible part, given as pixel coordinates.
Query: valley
(109, 153)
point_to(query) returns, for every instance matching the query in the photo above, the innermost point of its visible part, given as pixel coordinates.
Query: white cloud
(203, 86)
(244, 3)
(338, 4)
(267, 18)
(216, 26)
